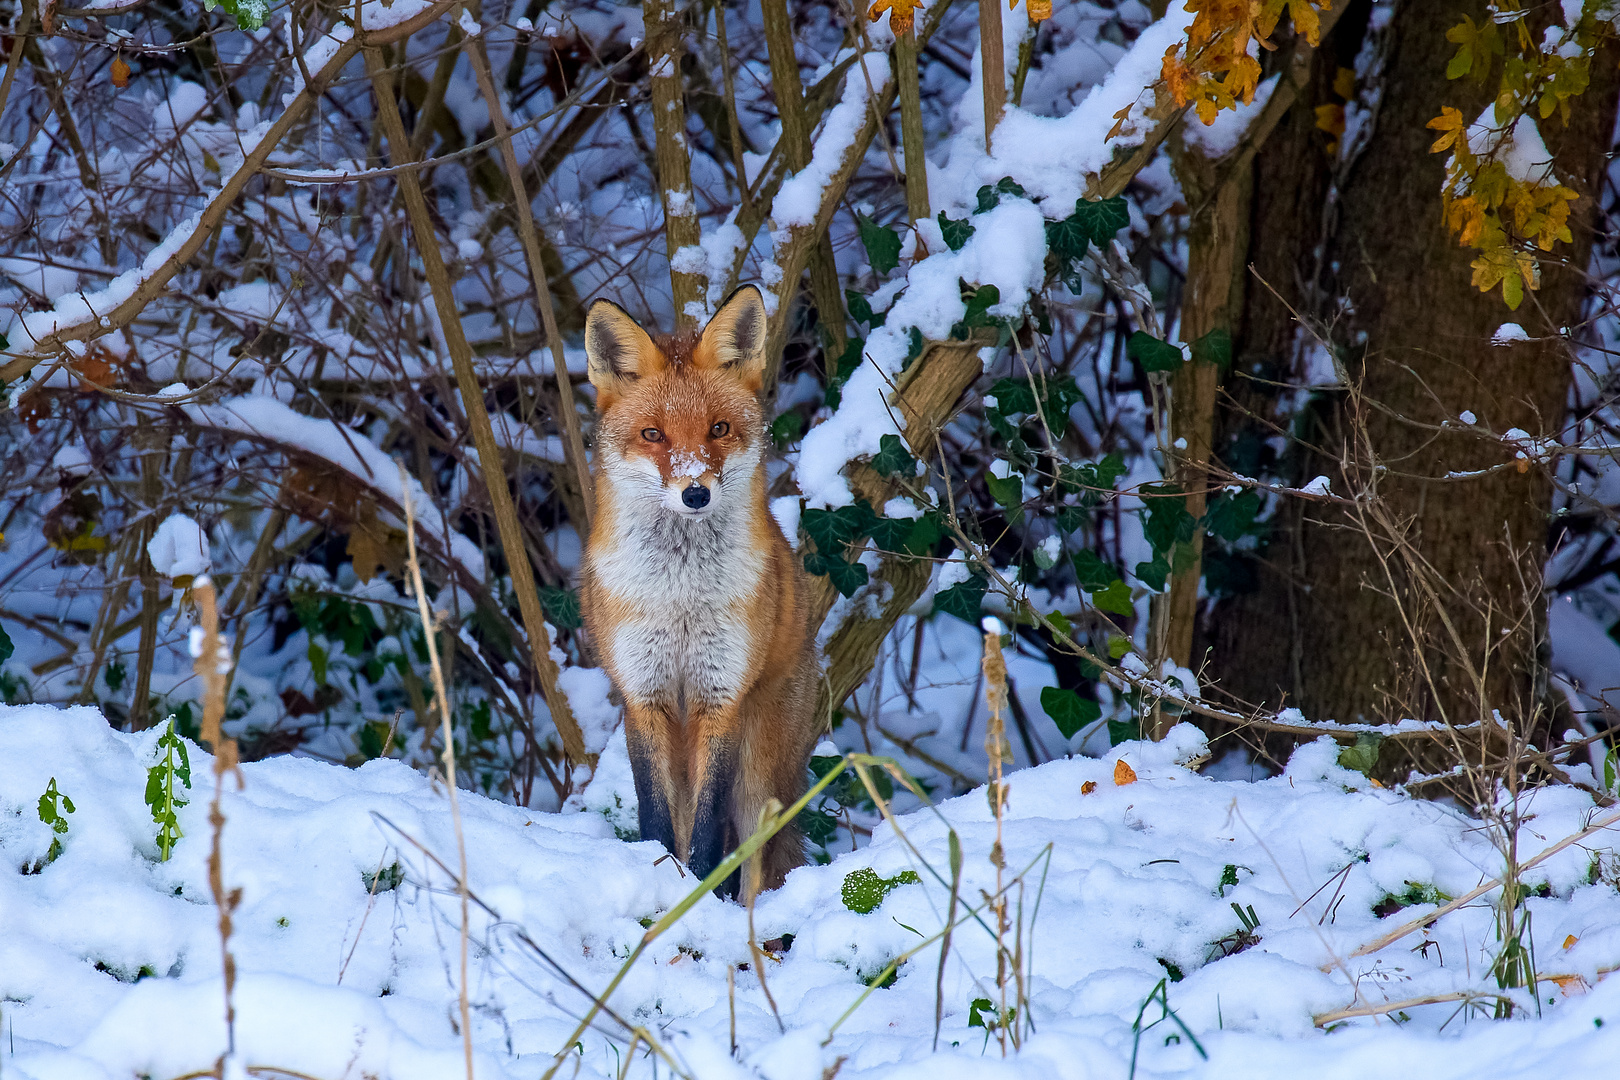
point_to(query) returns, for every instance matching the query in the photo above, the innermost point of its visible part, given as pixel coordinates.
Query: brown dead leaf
(120, 72)
(371, 544)
(96, 368)
(1088, 787)
(901, 15)
(1570, 941)
(1123, 773)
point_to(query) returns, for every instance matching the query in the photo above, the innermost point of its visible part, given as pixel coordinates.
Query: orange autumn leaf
(1570, 941)
(1039, 10)
(1123, 773)
(120, 72)
(1178, 78)
(1088, 787)
(901, 17)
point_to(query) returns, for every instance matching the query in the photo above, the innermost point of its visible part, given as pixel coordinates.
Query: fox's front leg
(714, 774)
(650, 736)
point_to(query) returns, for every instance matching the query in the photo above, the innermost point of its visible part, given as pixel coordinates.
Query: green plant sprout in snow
(53, 810)
(161, 795)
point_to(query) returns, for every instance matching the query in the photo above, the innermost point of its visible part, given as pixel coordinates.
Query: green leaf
(818, 826)
(1152, 574)
(1067, 239)
(1068, 710)
(860, 308)
(834, 530)
(1062, 394)
(862, 891)
(1124, 731)
(317, 662)
(914, 346)
(979, 304)
(1116, 599)
(1232, 515)
(1166, 521)
(1151, 353)
(907, 536)
(561, 607)
(1101, 218)
(249, 14)
(976, 1010)
(1214, 347)
(956, 232)
(787, 429)
(847, 577)
(1013, 396)
(1071, 518)
(882, 245)
(6, 647)
(1093, 573)
(965, 600)
(1363, 756)
(1008, 490)
(893, 459)
(990, 196)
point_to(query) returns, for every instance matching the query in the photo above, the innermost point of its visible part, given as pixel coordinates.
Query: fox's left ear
(734, 340)
(617, 350)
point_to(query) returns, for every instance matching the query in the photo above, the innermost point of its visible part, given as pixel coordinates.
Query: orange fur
(701, 616)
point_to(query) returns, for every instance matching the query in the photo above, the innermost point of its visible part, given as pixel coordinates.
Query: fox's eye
(719, 430)
(652, 434)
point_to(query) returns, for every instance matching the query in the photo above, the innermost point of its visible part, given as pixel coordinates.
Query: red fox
(697, 605)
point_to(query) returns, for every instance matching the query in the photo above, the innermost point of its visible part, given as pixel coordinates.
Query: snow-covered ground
(110, 960)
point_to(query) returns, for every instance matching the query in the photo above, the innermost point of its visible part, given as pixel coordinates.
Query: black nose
(696, 496)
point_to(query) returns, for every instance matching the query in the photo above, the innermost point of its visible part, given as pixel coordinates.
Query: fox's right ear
(617, 351)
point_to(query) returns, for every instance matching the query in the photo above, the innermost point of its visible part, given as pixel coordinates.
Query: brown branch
(483, 435)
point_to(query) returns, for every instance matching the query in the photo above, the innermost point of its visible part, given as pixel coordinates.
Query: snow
(333, 980)
(179, 548)
(1321, 485)
(1508, 333)
(798, 201)
(271, 421)
(1519, 148)
(1230, 126)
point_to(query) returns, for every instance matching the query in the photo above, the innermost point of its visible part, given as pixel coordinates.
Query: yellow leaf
(1088, 787)
(120, 72)
(1306, 21)
(901, 13)
(1450, 122)
(1039, 10)
(1344, 83)
(1330, 118)
(1123, 773)
(1570, 941)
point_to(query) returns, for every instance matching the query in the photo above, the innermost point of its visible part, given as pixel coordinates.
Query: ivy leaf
(1068, 710)
(1152, 353)
(1124, 731)
(561, 607)
(956, 233)
(862, 891)
(907, 536)
(1013, 396)
(983, 298)
(1152, 574)
(6, 647)
(914, 347)
(965, 600)
(787, 429)
(1215, 348)
(1101, 218)
(1231, 516)
(1116, 599)
(833, 530)
(847, 577)
(882, 245)
(893, 459)
(990, 196)
(1062, 394)
(1071, 518)
(1067, 239)
(1091, 572)
(1166, 521)
(249, 14)
(860, 308)
(1007, 490)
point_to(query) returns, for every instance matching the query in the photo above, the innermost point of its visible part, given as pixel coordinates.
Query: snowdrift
(346, 937)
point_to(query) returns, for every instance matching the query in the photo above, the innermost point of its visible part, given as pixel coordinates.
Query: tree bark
(1429, 604)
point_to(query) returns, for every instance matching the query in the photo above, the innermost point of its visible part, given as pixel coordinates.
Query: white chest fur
(689, 585)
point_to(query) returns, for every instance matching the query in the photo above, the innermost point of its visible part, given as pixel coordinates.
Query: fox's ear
(617, 350)
(734, 340)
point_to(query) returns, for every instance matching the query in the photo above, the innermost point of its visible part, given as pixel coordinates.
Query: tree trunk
(1426, 601)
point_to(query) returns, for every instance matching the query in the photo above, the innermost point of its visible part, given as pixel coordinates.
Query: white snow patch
(179, 548)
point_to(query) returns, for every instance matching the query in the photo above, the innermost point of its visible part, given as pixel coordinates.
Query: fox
(698, 608)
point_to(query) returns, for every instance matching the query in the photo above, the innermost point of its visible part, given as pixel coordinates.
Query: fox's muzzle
(695, 497)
